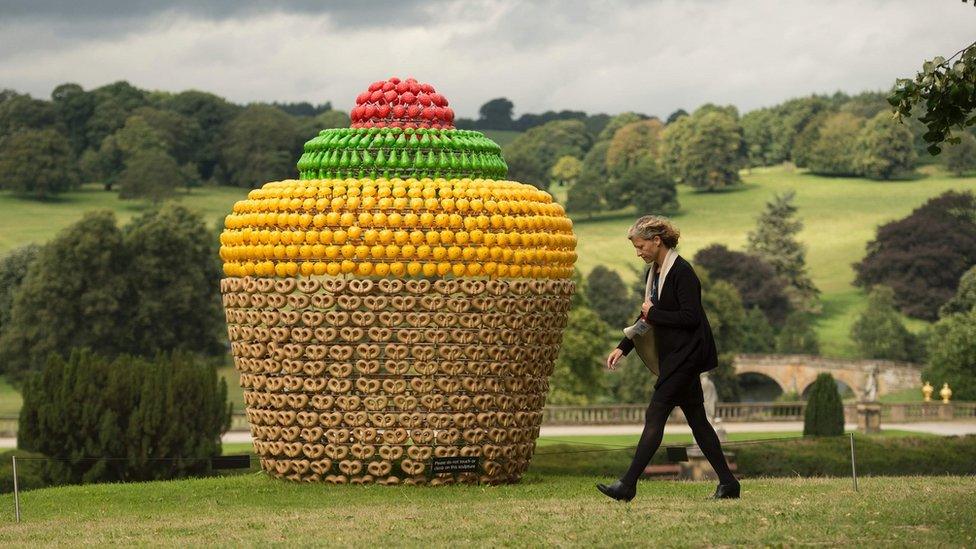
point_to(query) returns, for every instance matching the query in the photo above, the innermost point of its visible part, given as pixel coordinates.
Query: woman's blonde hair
(649, 226)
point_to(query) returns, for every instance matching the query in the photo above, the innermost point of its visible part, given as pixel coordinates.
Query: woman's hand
(614, 358)
(645, 308)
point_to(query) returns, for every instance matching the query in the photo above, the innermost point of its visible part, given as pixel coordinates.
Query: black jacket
(681, 331)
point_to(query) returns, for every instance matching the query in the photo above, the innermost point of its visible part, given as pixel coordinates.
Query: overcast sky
(612, 56)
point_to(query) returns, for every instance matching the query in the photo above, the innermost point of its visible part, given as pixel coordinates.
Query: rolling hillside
(839, 214)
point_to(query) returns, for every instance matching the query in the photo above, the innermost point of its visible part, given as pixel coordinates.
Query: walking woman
(685, 348)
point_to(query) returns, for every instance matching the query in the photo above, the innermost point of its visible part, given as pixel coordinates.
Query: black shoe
(618, 491)
(727, 491)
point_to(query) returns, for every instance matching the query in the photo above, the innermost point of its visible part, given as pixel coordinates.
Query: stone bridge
(797, 372)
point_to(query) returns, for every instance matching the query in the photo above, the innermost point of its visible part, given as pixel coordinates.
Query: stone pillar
(698, 468)
(946, 412)
(898, 414)
(869, 417)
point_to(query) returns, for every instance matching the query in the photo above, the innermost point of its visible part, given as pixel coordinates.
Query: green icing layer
(395, 152)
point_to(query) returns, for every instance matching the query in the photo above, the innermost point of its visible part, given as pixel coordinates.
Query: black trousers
(650, 440)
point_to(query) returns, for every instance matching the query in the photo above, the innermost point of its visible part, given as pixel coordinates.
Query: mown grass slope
(541, 511)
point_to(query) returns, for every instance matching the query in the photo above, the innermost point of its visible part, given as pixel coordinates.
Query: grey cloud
(365, 13)
(596, 56)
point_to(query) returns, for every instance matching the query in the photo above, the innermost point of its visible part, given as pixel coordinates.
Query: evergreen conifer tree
(774, 241)
(824, 415)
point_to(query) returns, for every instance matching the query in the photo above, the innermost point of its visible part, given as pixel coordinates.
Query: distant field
(502, 137)
(23, 221)
(10, 399)
(840, 216)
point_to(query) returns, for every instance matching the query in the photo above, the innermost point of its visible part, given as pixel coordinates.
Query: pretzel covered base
(365, 380)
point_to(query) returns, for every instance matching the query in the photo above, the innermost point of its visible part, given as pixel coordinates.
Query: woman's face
(647, 249)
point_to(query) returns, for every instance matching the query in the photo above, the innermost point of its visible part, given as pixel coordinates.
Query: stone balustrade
(730, 412)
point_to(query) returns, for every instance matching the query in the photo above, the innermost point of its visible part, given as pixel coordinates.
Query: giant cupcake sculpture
(396, 311)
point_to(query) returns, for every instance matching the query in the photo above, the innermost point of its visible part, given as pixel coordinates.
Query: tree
(632, 143)
(807, 139)
(13, 269)
(566, 170)
(23, 112)
(923, 255)
(309, 127)
(725, 313)
(705, 150)
(594, 173)
(135, 137)
(74, 107)
(212, 113)
(608, 297)
(259, 145)
(531, 155)
(151, 174)
(142, 419)
(758, 334)
(175, 273)
(150, 288)
(577, 373)
(37, 164)
(617, 122)
(757, 132)
(885, 149)
(527, 121)
(879, 331)
(965, 298)
(595, 123)
(496, 114)
(774, 241)
(181, 136)
(584, 197)
(114, 103)
(794, 116)
(644, 185)
(303, 108)
(952, 354)
(755, 280)
(726, 316)
(75, 294)
(947, 89)
(866, 105)
(961, 157)
(833, 153)
(797, 336)
(676, 115)
(824, 414)
(631, 382)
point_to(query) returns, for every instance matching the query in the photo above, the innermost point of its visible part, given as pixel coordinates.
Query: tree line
(151, 144)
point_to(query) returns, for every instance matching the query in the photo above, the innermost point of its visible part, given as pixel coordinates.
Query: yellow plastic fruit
(488, 228)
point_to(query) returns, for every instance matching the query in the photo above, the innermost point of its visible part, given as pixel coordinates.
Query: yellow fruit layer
(396, 227)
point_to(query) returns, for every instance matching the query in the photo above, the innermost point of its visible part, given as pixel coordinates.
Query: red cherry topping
(400, 103)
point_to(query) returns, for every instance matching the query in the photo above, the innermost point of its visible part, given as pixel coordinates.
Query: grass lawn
(10, 400)
(542, 510)
(23, 221)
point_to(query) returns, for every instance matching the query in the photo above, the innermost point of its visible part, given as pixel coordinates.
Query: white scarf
(669, 259)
